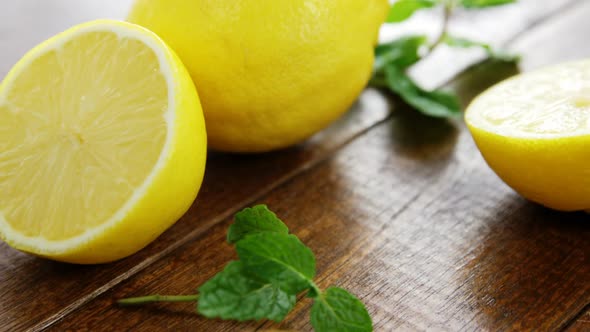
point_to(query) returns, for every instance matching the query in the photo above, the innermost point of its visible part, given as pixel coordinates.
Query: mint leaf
(401, 53)
(255, 220)
(280, 259)
(433, 103)
(337, 310)
(484, 3)
(492, 53)
(404, 9)
(234, 293)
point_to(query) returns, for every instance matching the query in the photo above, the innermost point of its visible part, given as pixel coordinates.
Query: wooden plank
(421, 231)
(581, 324)
(559, 40)
(36, 292)
(413, 223)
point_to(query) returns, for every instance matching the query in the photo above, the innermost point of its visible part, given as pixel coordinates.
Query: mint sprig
(273, 268)
(393, 59)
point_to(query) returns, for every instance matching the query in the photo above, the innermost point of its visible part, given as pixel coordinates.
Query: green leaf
(401, 53)
(278, 258)
(337, 310)
(235, 293)
(484, 3)
(432, 103)
(404, 9)
(492, 53)
(255, 220)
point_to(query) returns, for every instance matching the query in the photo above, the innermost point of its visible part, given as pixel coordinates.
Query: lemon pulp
(67, 140)
(93, 123)
(553, 102)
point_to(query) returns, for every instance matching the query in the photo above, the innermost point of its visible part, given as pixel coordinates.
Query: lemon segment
(534, 132)
(102, 144)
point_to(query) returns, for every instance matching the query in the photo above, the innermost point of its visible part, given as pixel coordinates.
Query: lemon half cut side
(102, 144)
(534, 131)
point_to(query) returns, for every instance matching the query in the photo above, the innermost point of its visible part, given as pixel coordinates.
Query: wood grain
(36, 293)
(581, 323)
(409, 218)
(422, 231)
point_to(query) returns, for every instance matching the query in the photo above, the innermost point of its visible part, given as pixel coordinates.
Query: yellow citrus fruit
(534, 132)
(269, 73)
(102, 144)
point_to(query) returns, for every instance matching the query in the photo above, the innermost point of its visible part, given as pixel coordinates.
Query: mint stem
(378, 81)
(314, 291)
(158, 298)
(448, 11)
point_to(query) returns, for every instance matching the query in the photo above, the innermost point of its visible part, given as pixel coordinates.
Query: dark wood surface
(398, 208)
(581, 323)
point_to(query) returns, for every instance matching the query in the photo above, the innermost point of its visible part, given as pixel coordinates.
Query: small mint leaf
(432, 103)
(255, 220)
(278, 258)
(401, 53)
(234, 293)
(401, 10)
(492, 53)
(336, 310)
(484, 3)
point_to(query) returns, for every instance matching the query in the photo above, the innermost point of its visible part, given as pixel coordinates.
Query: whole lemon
(270, 73)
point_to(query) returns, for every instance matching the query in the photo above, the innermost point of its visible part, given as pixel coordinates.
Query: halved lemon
(102, 144)
(534, 132)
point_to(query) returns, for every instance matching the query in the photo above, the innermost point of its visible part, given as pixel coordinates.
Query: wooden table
(400, 209)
